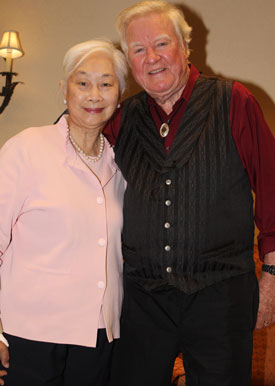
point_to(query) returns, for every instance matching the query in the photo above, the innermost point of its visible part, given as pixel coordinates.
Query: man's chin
(158, 93)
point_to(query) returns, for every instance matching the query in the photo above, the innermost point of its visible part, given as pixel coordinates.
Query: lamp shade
(10, 45)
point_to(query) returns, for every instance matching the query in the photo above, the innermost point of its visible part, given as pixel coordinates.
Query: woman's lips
(93, 110)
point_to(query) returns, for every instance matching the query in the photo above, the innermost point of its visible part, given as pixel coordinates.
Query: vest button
(167, 202)
(167, 248)
(167, 225)
(168, 269)
(168, 181)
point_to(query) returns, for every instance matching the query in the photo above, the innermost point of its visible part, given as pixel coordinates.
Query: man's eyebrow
(134, 44)
(163, 36)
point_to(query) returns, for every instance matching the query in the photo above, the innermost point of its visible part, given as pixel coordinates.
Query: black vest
(188, 215)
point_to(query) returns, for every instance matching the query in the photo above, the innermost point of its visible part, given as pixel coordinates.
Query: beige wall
(233, 38)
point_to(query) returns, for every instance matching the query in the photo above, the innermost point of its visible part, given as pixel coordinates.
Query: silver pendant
(164, 130)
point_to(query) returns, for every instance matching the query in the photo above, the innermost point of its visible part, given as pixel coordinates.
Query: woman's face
(92, 92)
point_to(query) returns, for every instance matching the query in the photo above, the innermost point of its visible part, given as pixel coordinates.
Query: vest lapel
(193, 123)
(147, 134)
(195, 120)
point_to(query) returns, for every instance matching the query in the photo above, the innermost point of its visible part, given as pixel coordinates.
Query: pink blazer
(60, 239)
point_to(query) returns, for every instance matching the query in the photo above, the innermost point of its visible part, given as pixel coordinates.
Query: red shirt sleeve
(256, 146)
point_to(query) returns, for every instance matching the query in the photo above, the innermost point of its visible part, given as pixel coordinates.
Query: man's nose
(151, 55)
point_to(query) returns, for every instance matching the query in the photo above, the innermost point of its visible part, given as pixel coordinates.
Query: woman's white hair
(78, 53)
(144, 8)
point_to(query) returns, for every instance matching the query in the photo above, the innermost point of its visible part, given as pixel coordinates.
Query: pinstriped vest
(188, 215)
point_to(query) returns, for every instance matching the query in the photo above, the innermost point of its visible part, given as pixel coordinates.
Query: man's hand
(4, 359)
(266, 312)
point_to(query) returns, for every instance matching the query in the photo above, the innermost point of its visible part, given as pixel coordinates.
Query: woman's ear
(63, 88)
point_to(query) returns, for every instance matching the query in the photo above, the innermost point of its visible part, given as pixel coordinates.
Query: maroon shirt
(253, 139)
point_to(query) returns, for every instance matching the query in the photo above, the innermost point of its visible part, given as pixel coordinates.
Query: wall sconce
(10, 48)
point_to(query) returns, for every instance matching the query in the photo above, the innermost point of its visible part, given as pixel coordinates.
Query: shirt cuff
(266, 244)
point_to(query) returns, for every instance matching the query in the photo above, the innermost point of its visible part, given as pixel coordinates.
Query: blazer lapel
(110, 168)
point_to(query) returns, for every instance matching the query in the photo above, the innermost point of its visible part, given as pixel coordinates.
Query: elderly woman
(61, 218)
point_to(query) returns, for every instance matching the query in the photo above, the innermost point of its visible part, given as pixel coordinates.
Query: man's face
(157, 59)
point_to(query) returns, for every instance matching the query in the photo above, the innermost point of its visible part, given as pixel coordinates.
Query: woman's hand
(4, 359)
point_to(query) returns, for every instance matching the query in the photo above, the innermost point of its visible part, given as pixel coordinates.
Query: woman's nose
(94, 94)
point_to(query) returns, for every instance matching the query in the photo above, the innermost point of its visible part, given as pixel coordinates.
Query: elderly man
(191, 148)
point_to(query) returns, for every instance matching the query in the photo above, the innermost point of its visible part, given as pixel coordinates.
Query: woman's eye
(160, 44)
(82, 83)
(106, 84)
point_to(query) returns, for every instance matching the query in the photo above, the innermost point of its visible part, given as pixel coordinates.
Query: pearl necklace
(86, 156)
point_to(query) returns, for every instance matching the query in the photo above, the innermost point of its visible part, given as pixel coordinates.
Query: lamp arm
(7, 90)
